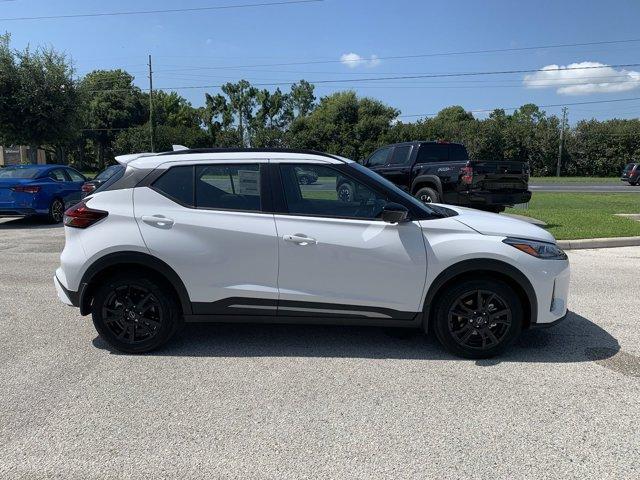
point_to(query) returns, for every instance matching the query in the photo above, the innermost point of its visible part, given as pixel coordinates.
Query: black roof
(253, 150)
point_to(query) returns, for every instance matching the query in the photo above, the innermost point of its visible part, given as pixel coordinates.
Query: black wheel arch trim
(480, 264)
(131, 258)
(429, 181)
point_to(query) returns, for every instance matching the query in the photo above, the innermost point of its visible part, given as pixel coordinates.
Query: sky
(347, 40)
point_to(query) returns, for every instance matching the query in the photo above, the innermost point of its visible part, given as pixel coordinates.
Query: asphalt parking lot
(315, 402)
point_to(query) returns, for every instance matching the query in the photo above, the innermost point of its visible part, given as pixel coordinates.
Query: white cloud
(209, 41)
(353, 60)
(575, 79)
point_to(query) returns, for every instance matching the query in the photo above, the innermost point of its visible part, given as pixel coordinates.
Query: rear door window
(228, 187)
(401, 155)
(433, 152)
(59, 175)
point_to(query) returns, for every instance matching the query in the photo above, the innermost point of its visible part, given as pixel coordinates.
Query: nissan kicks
(235, 236)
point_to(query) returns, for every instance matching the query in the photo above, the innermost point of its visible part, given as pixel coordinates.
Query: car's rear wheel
(478, 318)
(427, 195)
(56, 211)
(135, 314)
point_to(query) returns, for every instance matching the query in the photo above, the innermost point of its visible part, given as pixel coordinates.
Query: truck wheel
(427, 195)
(346, 192)
(478, 318)
(633, 184)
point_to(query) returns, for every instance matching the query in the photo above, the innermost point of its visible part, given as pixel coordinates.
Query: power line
(171, 10)
(488, 110)
(419, 55)
(409, 77)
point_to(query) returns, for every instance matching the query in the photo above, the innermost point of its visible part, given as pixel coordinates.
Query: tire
(135, 314)
(492, 208)
(427, 195)
(633, 184)
(56, 211)
(469, 332)
(346, 192)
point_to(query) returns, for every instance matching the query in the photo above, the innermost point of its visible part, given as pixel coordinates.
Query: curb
(599, 243)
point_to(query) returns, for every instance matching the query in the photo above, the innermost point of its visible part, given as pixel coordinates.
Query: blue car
(45, 190)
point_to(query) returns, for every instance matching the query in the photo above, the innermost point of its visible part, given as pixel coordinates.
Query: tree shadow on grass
(577, 339)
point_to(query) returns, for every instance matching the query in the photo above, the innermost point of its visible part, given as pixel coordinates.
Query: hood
(500, 225)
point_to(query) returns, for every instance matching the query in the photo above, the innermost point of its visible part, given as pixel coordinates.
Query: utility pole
(151, 126)
(562, 127)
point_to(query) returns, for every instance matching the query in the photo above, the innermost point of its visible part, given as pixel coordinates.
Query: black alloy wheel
(132, 314)
(135, 314)
(477, 318)
(56, 211)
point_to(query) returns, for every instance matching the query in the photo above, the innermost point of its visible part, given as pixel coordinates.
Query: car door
(62, 185)
(337, 258)
(398, 167)
(208, 223)
(378, 159)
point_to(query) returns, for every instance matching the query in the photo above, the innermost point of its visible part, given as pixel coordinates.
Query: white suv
(237, 236)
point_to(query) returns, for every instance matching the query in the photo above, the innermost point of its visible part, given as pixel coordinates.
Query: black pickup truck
(442, 172)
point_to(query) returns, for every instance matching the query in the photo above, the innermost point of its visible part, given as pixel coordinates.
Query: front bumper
(552, 290)
(482, 197)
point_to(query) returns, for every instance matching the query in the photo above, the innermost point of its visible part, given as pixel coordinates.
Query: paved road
(613, 188)
(315, 402)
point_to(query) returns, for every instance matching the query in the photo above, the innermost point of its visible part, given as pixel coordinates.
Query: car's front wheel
(478, 318)
(135, 314)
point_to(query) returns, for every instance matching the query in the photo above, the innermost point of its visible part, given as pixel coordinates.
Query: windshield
(105, 174)
(629, 167)
(19, 172)
(430, 210)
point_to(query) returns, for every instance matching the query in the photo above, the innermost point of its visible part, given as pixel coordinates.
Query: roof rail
(250, 150)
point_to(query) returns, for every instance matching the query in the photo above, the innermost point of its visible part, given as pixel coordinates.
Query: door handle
(300, 239)
(159, 221)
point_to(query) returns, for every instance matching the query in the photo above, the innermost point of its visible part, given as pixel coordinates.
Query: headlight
(546, 251)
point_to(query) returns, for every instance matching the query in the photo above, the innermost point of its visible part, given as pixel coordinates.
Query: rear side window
(433, 152)
(457, 153)
(117, 175)
(379, 157)
(75, 176)
(177, 184)
(400, 155)
(228, 187)
(58, 175)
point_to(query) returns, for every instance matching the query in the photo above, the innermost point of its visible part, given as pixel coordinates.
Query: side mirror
(394, 213)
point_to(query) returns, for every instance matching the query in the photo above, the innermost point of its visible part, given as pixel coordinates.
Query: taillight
(26, 188)
(81, 216)
(467, 174)
(88, 187)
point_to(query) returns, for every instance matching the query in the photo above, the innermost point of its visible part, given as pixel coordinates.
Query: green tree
(242, 100)
(111, 103)
(38, 98)
(343, 124)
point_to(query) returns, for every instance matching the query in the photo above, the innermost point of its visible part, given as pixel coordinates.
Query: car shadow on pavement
(577, 339)
(7, 223)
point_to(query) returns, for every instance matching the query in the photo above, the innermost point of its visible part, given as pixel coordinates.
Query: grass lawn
(571, 216)
(575, 180)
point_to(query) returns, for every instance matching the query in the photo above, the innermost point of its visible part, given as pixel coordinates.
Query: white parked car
(234, 236)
